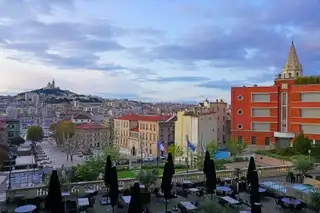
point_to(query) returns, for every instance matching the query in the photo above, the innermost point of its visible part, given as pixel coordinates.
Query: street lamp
(10, 155)
(309, 151)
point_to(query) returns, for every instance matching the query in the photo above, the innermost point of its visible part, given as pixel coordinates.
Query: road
(57, 157)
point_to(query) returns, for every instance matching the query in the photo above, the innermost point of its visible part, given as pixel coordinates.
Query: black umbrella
(135, 205)
(107, 172)
(251, 167)
(206, 161)
(170, 163)
(254, 187)
(211, 181)
(166, 185)
(114, 190)
(54, 197)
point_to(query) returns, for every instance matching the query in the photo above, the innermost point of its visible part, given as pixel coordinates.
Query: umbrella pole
(166, 205)
(187, 162)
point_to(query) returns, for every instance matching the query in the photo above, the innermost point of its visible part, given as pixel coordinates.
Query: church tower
(292, 68)
(53, 84)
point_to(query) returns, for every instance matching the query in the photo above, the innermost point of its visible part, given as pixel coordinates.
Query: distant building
(141, 133)
(264, 115)
(3, 133)
(13, 126)
(90, 135)
(81, 119)
(199, 127)
(50, 85)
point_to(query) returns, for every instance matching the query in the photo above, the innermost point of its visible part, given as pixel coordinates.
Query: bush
(302, 144)
(289, 151)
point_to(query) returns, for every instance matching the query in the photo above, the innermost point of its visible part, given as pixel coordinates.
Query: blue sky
(157, 50)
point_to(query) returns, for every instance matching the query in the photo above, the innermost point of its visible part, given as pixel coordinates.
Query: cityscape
(96, 116)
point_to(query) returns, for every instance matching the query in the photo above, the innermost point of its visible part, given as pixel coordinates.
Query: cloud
(102, 47)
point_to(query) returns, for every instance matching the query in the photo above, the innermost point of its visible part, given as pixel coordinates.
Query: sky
(153, 50)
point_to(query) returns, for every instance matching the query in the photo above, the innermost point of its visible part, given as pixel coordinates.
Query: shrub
(302, 144)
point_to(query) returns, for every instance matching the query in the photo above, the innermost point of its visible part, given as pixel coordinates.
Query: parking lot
(57, 157)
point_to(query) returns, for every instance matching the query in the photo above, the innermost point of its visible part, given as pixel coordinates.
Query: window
(240, 97)
(253, 140)
(240, 126)
(260, 98)
(310, 128)
(310, 113)
(310, 97)
(260, 127)
(257, 112)
(239, 139)
(240, 112)
(267, 141)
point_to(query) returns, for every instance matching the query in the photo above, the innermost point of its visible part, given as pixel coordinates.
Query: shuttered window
(310, 113)
(260, 112)
(310, 128)
(260, 127)
(310, 97)
(260, 98)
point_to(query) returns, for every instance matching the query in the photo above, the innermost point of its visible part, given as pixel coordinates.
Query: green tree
(175, 150)
(17, 141)
(35, 133)
(302, 144)
(303, 164)
(147, 178)
(236, 148)
(113, 151)
(212, 147)
(315, 199)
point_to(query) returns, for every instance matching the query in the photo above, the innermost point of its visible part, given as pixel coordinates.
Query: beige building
(89, 136)
(140, 134)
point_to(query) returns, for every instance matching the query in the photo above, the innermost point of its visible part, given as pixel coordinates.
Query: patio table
(288, 201)
(230, 200)
(187, 182)
(224, 188)
(83, 202)
(25, 209)
(126, 199)
(261, 190)
(188, 205)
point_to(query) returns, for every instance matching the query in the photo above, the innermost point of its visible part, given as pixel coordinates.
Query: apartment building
(200, 127)
(220, 108)
(262, 115)
(139, 134)
(90, 136)
(3, 134)
(13, 126)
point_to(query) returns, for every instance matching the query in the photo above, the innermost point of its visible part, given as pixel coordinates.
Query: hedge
(307, 80)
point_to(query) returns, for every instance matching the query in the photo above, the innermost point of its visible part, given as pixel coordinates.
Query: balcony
(80, 187)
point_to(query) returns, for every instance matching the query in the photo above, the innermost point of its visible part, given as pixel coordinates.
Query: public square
(56, 156)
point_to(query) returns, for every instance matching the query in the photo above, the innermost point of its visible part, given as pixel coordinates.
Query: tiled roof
(144, 117)
(135, 129)
(81, 117)
(90, 126)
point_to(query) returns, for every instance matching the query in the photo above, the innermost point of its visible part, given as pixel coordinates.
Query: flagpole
(187, 155)
(158, 158)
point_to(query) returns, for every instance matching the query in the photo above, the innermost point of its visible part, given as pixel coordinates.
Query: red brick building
(267, 114)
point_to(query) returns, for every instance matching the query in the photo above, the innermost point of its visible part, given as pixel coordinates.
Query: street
(57, 157)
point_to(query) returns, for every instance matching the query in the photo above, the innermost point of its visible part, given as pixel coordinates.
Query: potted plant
(147, 178)
(315, 200)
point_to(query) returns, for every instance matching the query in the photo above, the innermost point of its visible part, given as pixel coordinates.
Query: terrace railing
(81, 187)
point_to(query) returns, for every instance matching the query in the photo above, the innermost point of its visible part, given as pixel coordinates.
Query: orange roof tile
(135, 129)
(144, 117)
(90, 126)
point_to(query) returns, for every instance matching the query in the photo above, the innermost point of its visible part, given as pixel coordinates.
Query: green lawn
(133, 173)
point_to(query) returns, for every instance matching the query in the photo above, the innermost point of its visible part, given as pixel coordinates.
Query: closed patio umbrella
(54, 197)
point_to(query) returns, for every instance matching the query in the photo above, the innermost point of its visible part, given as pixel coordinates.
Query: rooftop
(81, 117)
(145, 117)
(25, 160)
(90, 126)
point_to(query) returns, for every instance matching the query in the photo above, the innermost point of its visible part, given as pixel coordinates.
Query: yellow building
(137, 134)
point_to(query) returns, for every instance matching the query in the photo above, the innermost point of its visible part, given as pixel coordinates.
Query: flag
(190, 145)
(161, 147)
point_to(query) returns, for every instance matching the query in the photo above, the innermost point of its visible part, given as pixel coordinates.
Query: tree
(315, 199)
(175, 150)
(147, 178)
(17, 141)
(35, 133)
(212, 147)
(303, 164)
(235, 148)
(113, 151)
(71, 145)
(302, 144)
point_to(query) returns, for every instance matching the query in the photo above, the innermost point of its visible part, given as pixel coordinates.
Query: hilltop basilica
(51, 85)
